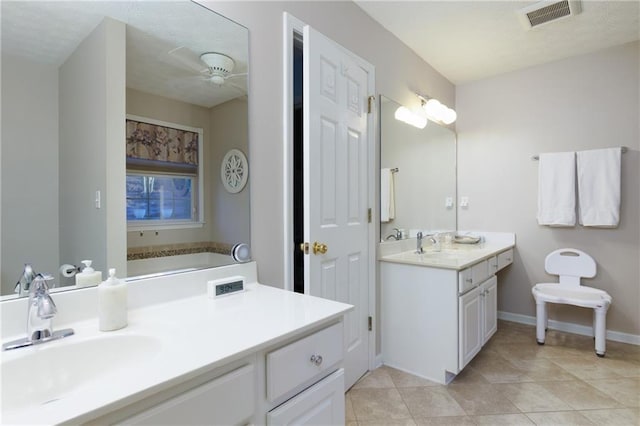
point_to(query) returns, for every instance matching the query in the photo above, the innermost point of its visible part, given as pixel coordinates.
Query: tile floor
(512, 381)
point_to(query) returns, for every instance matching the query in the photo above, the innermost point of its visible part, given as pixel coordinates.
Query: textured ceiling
(49, 31)
(471, 40)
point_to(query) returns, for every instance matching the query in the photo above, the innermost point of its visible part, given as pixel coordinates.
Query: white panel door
(336, 183)
(489, 293)
(470, 332)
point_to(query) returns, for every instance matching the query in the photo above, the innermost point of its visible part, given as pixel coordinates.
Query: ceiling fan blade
(185, 58)
(240, 74)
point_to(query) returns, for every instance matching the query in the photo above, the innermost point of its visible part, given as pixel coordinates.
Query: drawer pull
(468, 280)
(316, 359)
(508, 259)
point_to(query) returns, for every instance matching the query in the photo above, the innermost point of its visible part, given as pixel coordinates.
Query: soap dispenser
(112, 303)
(88, 276)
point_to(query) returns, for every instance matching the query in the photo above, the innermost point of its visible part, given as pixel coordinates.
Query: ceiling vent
(548, 11)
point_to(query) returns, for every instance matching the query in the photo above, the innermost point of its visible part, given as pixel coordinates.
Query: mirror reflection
(77, 182)
(418, 174)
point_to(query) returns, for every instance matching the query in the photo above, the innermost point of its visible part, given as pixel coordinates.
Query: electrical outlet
(464, 202)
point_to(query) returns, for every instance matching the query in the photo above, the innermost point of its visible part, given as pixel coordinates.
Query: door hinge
(369, 215)
(370, 101)
(370, 323)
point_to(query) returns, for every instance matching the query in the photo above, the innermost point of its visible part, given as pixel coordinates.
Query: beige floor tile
(378, 405)
(542, 369)
(405, 380)
(349, 415)
(503, 419)
(378, 378)
(625, 391)
(518, 351)
(430, 402)
(469, 375)
(583, 368)
(532, 397)
(622, 367)
(403, 422)
(623, 417)
(580, 395)
(561, 418)
(497, 369)
(351, 423)
(478, 399)
(445, 421)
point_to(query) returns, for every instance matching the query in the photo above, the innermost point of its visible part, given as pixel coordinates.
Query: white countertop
(196, 334)
(452, 256)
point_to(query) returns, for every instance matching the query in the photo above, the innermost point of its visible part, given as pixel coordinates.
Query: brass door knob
(319, 248)
(304, 247)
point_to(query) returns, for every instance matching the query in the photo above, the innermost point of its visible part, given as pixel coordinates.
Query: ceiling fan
(212, 67)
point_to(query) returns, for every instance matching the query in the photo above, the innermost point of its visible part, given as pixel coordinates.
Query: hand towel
(387, 196)
(556, 189)
(599, 187)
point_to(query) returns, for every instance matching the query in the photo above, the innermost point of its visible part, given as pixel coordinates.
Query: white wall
(581, 103)
(29, 169)
(91, 108)
(399, 74)
(229, 214)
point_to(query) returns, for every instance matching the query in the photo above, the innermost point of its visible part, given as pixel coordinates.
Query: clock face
(234, 171)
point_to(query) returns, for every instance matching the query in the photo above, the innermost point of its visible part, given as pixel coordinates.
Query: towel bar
(537, 157)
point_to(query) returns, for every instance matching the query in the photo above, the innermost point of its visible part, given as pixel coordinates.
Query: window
(164, 170)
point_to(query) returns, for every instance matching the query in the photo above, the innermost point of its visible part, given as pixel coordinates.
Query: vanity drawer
(492, 264)
(304, 361)
(505, 258)
(472, 276)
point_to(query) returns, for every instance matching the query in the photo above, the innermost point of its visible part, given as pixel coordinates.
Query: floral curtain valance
(152, 143)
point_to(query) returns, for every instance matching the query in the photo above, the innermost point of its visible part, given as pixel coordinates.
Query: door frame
(291, 26)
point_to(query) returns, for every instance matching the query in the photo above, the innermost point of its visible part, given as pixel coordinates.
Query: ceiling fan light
(217, 79)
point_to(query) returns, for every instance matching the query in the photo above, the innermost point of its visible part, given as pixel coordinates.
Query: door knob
(304, 247)
(319, 248)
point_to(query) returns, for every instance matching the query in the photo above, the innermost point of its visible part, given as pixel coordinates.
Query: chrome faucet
(419, 249)
(397, 235)
(435, 241)
(23, 284)
(40, 311)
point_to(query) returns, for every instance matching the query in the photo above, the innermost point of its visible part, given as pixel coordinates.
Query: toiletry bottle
(88, 276)
(112, 303)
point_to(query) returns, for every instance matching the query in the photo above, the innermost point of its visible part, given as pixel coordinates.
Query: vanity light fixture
(405, 115)
(438, 111)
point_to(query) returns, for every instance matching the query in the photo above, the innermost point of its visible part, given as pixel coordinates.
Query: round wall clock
(234, 171)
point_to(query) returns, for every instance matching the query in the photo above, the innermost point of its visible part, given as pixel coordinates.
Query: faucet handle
(46, 307)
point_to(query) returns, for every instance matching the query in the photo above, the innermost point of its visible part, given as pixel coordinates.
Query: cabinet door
(321, 404)
(470, 326)
(227, 400)
(489, 296)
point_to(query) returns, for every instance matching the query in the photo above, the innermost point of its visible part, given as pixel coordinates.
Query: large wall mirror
(86, 86)
(421, 168)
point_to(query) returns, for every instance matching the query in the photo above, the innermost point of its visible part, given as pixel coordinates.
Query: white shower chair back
(571, 265)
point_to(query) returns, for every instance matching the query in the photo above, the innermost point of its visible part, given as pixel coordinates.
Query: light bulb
(432, 107)
(449, 116)
(406, 116)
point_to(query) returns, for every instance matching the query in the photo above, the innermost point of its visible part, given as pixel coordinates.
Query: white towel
(556, 189)
(599, 187)
(387, 196)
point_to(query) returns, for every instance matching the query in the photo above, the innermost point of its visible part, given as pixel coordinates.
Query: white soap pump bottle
(112, 303)
(88, 276)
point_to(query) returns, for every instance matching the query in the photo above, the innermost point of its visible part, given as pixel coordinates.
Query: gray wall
(92, 104)
(399, 74)
(29, 169)
(581, 103)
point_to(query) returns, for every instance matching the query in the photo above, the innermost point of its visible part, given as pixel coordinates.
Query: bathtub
(145, 268)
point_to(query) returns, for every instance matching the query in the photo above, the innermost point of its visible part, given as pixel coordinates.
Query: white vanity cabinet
(298, 381)
(436, 319)
(226, 400)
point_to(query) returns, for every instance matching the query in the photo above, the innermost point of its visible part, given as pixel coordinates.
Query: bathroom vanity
(260, 356)
(439, 307)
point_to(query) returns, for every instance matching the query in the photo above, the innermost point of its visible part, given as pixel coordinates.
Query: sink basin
(42, 374)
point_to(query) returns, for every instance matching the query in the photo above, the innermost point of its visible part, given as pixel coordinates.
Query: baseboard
(569, 327)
